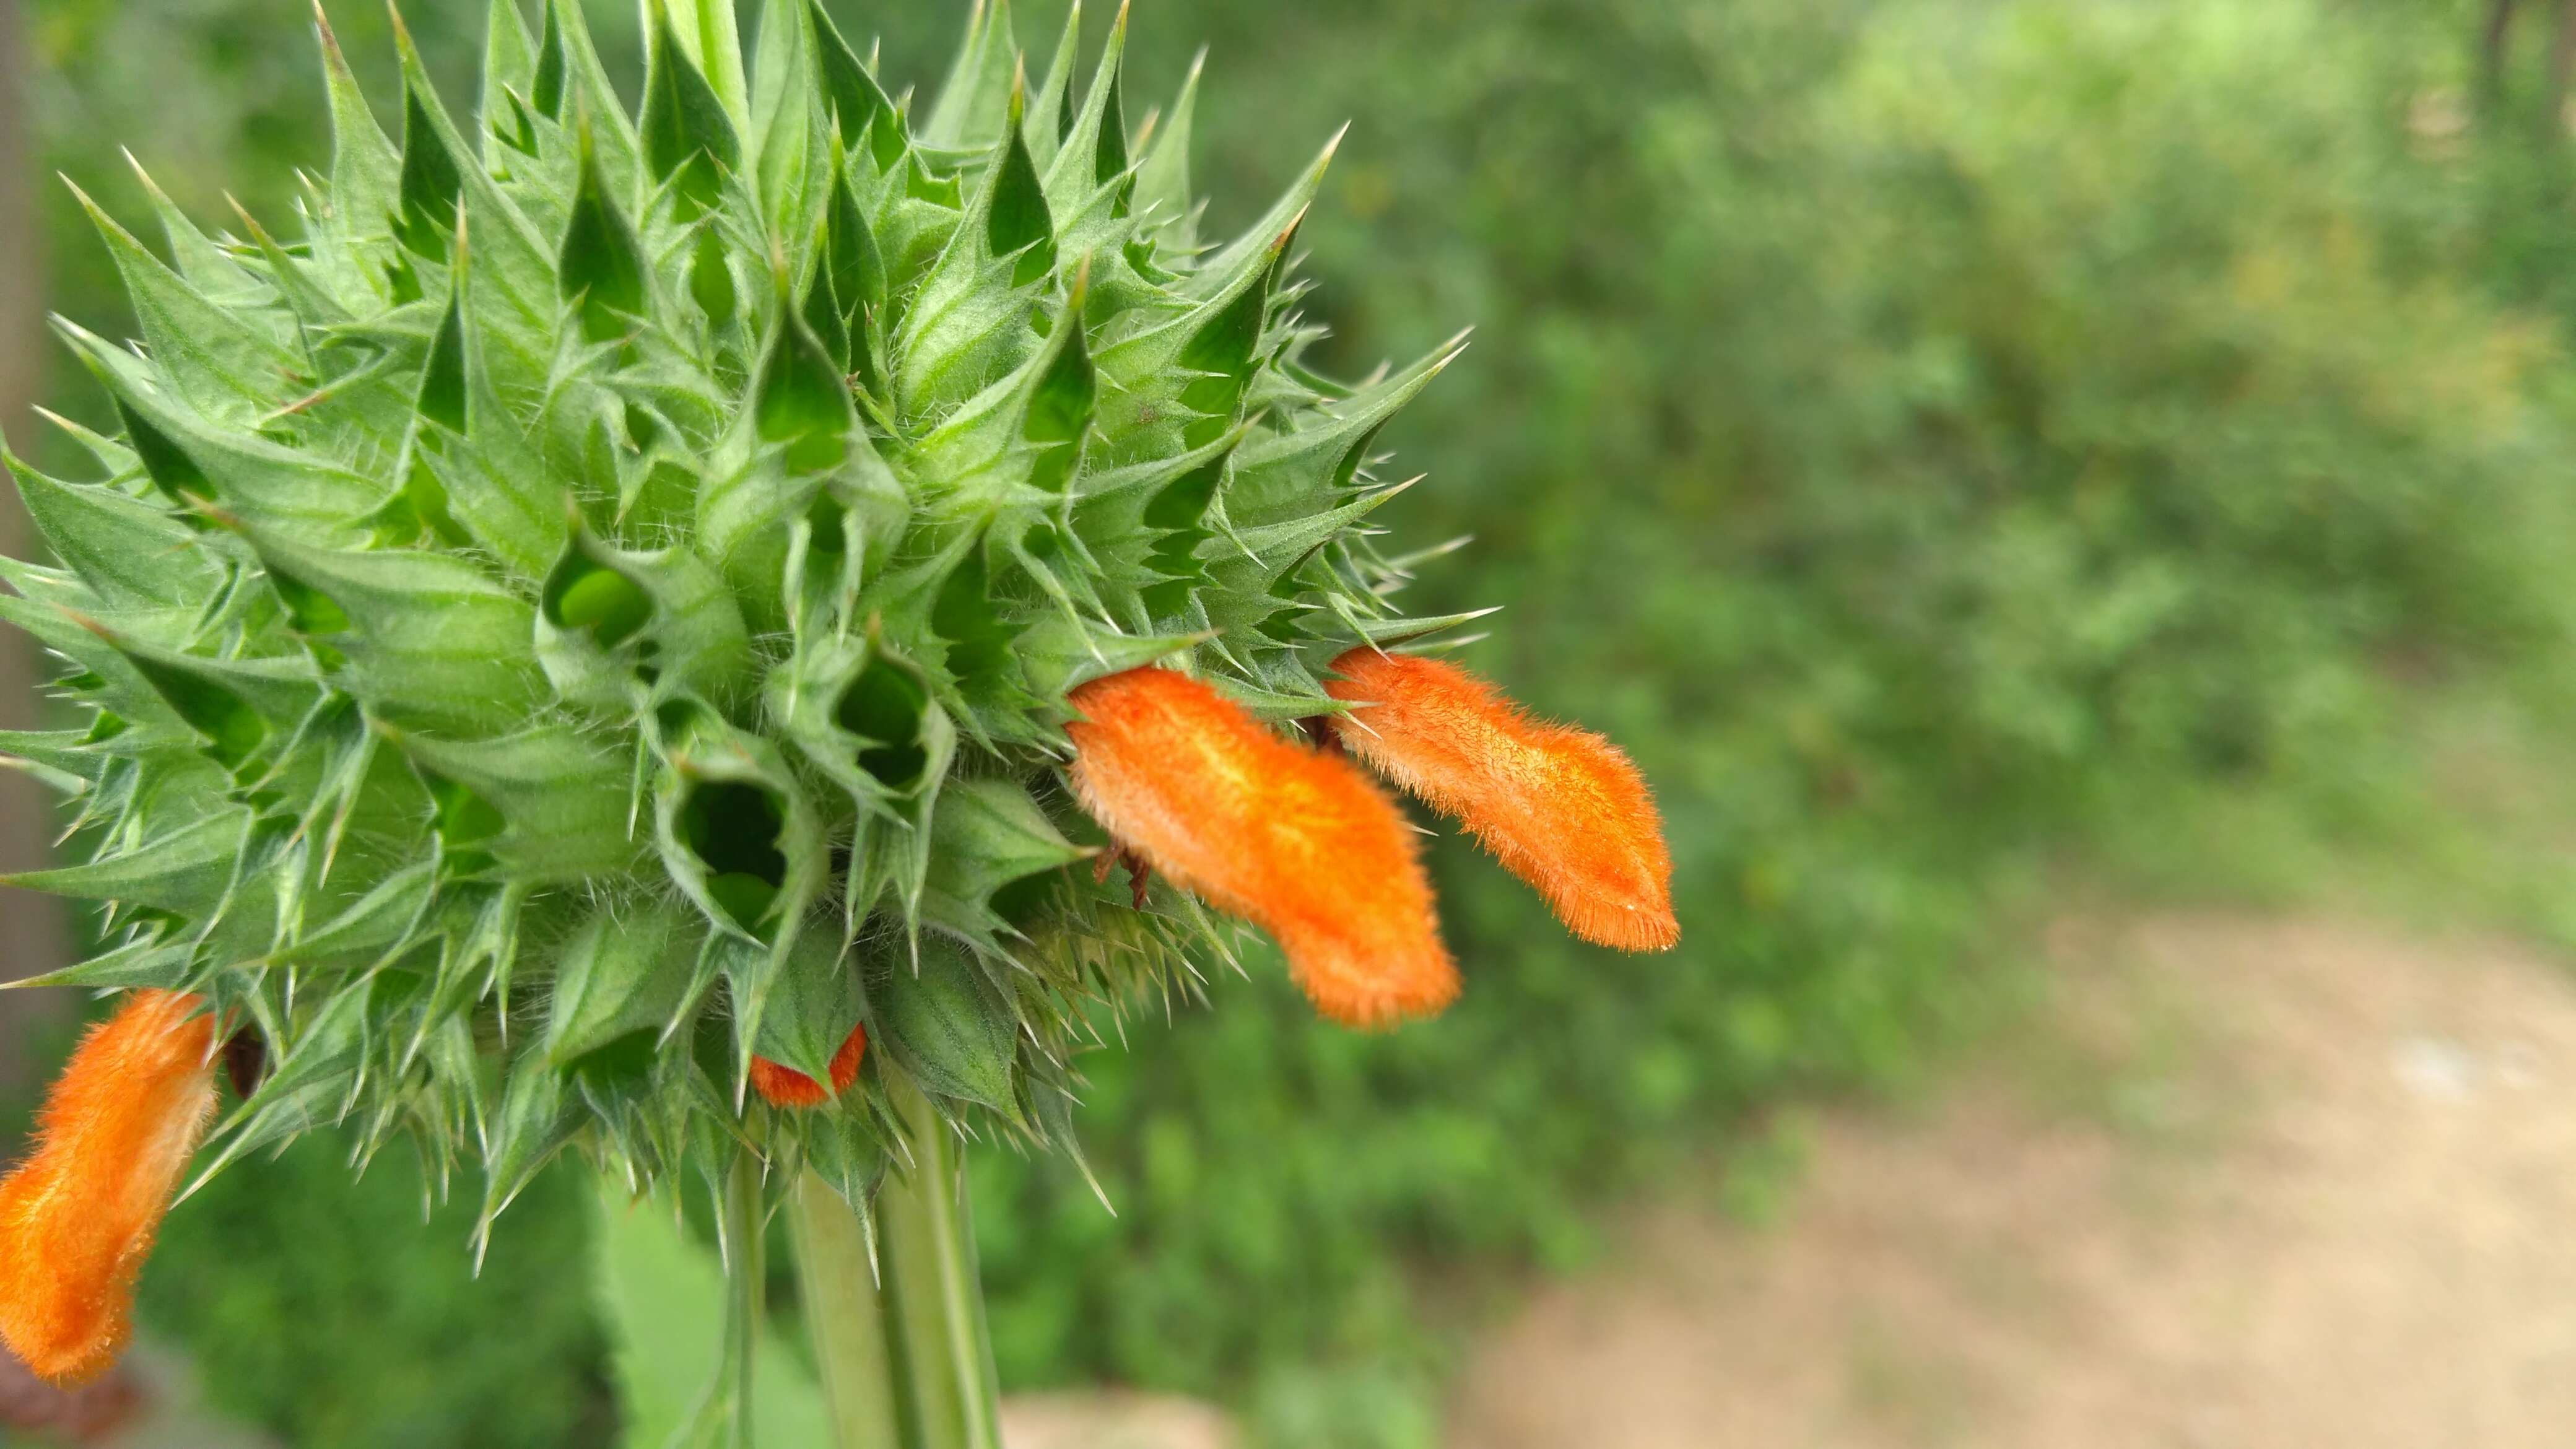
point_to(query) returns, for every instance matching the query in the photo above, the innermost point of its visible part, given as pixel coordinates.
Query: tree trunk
(34, 934)
(2491, 53)
(2562, 68)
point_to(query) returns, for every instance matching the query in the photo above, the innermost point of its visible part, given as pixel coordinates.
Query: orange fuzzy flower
(78, 1216)
(1297, 842)
(1561, 808)
(787, 1087)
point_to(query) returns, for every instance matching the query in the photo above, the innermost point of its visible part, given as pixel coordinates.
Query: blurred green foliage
(1929, 434)
(344, 1314)
(1916, 431)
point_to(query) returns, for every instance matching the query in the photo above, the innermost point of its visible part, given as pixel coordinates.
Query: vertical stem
(845, 1317)
(937, 1307)
(745, 1279)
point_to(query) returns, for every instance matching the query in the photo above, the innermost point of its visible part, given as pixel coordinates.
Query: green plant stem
(845, 1316)
(935, 1296)
(745, 1277)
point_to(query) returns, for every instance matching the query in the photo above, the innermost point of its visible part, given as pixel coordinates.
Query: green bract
(599, 607)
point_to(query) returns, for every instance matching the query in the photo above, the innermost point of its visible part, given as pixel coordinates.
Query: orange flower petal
(1297, 842)
(1561, 808)
(787, 1087)
(78, 1216)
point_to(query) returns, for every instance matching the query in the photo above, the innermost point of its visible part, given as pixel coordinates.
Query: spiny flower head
(605, 617)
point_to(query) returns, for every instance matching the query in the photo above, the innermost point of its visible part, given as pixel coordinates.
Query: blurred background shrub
(1934, 436)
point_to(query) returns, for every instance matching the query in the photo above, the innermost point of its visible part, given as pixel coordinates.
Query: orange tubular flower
(1561, 808)
(78, 1216)
(1297, 842)
(787, 1087)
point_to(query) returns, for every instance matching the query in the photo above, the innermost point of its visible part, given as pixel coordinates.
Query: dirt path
(2259, 1185)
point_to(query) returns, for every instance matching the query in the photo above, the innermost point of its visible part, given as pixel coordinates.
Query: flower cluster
(621, 637)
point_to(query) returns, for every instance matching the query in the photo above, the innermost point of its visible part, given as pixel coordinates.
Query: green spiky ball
(599, 607)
